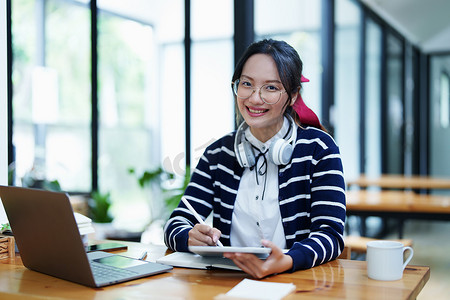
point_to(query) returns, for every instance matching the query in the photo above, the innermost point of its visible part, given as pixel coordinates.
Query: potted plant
(99, 205)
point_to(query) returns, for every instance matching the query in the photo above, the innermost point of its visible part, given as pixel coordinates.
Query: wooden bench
(358, 244)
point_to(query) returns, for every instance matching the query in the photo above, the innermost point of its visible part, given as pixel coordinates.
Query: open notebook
(195, 261)
(209, 257)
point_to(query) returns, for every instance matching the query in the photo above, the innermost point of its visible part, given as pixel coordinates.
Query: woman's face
(265, 120)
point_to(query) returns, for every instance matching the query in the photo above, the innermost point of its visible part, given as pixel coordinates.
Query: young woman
(275, 182)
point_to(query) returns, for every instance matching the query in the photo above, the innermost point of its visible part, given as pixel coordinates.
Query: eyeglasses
(269, 93)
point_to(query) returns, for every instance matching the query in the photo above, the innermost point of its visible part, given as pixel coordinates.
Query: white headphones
(280, 151)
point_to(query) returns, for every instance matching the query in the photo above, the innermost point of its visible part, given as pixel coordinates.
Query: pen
(192, 210)
(143, 255)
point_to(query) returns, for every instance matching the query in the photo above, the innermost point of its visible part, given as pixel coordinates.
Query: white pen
(143, 256)
(192, 210)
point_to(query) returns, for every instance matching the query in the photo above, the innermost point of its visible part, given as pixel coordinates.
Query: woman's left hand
(277, 262)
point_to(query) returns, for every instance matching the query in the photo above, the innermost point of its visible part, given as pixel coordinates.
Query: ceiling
(425, 23)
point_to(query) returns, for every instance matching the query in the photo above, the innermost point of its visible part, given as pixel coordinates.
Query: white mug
(385, 260)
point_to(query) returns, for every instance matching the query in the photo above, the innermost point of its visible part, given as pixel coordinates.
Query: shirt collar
(262, 147)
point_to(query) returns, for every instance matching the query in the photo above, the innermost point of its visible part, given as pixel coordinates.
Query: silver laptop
(49, 241)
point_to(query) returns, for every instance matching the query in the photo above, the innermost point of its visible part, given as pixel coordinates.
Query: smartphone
(107, 247)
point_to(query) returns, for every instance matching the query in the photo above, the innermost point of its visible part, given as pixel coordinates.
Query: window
(140, 75)
(127, 96)
(141, 101)
(439, 114)
(372, 113)
(445, 100)
(394, 106)
(298, 22)
(212, 102)
(51, 100)
(347, 78)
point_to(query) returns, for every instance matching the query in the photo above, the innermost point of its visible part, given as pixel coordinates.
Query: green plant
(173, 195)
(99, 207)
(4, 227)
(171, 192)
(148, 177)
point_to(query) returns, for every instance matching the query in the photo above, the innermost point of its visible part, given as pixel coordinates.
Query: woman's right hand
(203, 235)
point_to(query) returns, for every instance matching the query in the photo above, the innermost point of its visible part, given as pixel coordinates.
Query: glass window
(286, 16)
(126, 95)
(141, 102)
(3, 105)
(24, 49)
(298, 22)
(172, 108)
(51, 100)
(140, 92)
(372, 114)
(212, 60)
(347, 78)
(394, 106)
(439, 116)
(170, 76)
(445, 100)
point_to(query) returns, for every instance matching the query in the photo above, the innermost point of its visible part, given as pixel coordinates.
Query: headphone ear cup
(247, 158)
(280, 152)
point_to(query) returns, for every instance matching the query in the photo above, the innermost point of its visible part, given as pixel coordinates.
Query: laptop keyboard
(107, 273)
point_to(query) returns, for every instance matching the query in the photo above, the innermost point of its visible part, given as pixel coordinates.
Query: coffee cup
(385, 259)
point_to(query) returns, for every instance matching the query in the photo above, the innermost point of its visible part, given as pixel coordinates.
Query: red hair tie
(306, 115)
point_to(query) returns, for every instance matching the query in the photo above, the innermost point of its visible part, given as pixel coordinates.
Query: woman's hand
(277, 262)
(203, 235)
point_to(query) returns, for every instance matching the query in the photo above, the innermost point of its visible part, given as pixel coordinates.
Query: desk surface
(339, 279)
(402, 182)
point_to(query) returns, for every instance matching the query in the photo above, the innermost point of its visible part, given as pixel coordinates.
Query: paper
(261, 290)
(84, 224)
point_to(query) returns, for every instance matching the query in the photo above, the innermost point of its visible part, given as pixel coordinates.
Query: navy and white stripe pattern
(311, 198)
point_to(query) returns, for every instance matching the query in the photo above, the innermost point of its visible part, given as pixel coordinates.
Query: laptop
(49, 241)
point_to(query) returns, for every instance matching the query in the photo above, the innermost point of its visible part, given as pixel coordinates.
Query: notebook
(196, 261)
(210, 257)
(49, 241)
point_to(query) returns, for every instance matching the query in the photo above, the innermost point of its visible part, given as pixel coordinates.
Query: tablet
(219, 251)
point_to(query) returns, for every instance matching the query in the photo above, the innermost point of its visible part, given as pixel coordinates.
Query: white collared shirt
(256, 213)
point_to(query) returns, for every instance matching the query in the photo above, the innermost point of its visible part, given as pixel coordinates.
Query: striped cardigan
(311, 198)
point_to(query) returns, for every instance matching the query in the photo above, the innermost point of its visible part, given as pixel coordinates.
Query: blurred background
(114, 101)
(101, 88)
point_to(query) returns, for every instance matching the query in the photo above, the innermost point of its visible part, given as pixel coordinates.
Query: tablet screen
(219, 251)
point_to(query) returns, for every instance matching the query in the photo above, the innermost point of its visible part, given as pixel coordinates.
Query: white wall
(3, 115)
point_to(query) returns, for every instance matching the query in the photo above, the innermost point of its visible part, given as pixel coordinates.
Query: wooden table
(397, 205)
(338, 279)
(401, 204)
(401, 182)
(397, 202)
